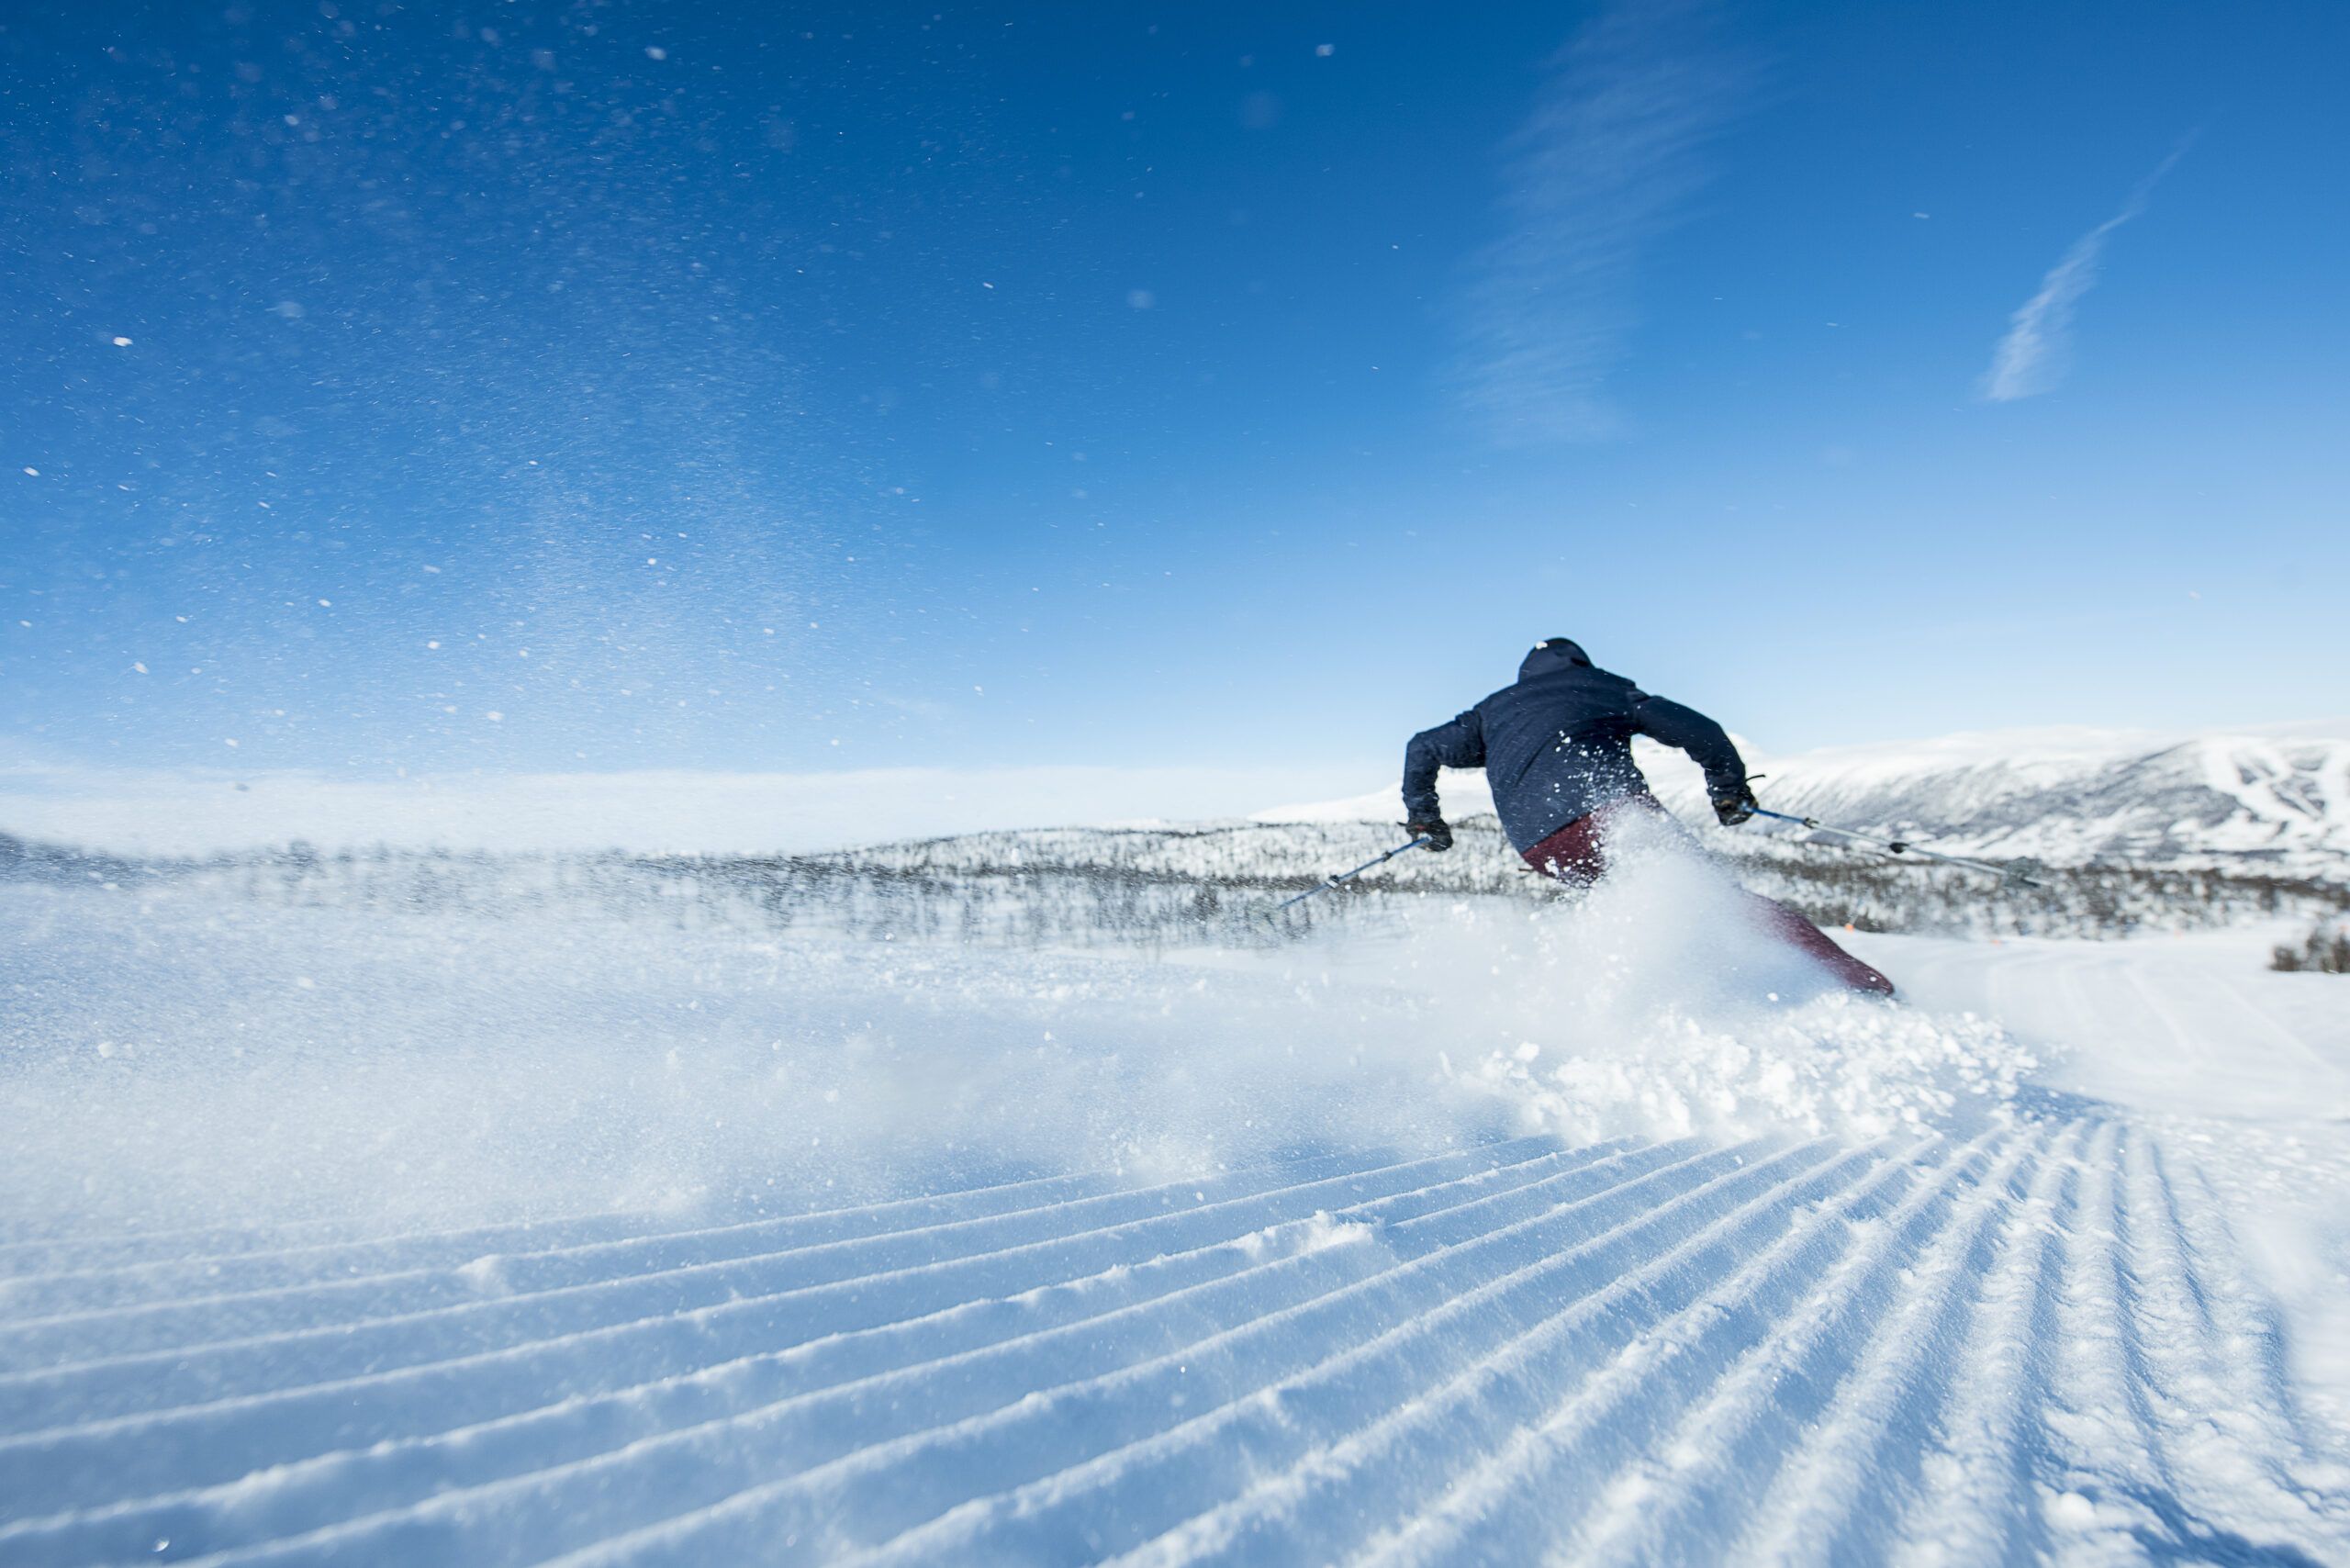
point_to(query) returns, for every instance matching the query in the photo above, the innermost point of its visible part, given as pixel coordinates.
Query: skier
(1557, 749)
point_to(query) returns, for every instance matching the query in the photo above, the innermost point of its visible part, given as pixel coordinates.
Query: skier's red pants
(1577, 855)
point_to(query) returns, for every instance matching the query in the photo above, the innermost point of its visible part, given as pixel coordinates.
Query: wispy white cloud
(1607, 162)
(2038, 348)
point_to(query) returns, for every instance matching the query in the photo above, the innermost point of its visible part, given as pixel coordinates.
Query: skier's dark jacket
(1558, 746)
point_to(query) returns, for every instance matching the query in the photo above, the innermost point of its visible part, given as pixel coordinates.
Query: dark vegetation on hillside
(2325, 951)
(1155, 887)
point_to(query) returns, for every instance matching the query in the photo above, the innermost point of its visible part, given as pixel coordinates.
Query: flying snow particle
(495, 717)
(225, 742)
(655, 51)
(435, 644)
(1141, 298)
(122, 343)
(1325, 50)
(326, 604)
(34, 471)
(140, 667)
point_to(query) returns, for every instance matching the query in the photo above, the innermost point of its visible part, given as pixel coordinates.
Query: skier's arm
(1707, 744)
(1460, 744)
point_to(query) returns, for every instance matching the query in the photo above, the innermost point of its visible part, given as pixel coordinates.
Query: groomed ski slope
(1534, 1271)
(2038, 1342)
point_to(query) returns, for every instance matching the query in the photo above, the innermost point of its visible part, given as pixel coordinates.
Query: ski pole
(1327, 883)
(1902, 846)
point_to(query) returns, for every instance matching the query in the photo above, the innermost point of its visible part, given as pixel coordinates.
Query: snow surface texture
(1599, 1230)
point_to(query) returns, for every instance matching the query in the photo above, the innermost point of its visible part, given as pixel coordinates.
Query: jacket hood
(1550, 656)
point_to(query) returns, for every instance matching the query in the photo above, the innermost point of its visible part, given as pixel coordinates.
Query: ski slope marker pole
(1902, 846)
(1327, 883)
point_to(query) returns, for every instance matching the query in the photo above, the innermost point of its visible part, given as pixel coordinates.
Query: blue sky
(530, 386)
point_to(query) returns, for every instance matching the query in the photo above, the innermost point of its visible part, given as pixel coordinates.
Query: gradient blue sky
(772, 387)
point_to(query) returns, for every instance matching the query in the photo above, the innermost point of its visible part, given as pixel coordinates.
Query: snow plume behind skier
(1556, 747)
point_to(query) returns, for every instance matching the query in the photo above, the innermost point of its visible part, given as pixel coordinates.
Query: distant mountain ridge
(2259, 801)
(2152, 833)
(2274, 800)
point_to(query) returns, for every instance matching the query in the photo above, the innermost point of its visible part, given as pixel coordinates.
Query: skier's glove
(1736, 807)
(1436, 832)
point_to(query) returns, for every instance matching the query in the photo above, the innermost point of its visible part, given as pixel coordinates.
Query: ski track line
(24, 1268)
(1970, 1503)
(336, 1485)
(57, 1252)
(1725, 1460)
(2104, 1487)
(91, 1464)
(495, 1285)
(149, 1380)
(2192, 1046)
(178, 1283)
(882, 1490)
(1518, 1498)
(2235, 1465)
(2242, 1004)
(1901, 1391)
(352, 1487)
(458, 1276)
(2249, 1332)
(1498, 1342)
(2042, 1344)
(529, 1515)
(1502, 1419)
(137, 1285)
(403, 1295)
(735, 1478)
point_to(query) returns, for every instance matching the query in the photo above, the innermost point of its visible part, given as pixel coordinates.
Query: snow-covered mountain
(2157, 833)
(2271, 798)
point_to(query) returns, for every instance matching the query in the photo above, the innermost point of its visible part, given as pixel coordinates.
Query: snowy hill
(622, 1209)
(2273, 798)
(388, 1237)
(1624, 1352)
